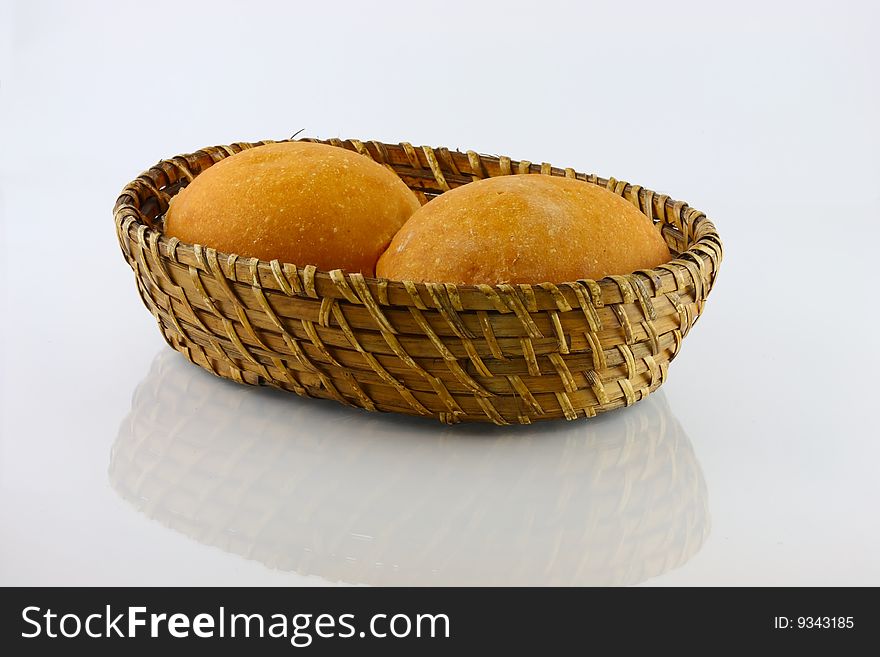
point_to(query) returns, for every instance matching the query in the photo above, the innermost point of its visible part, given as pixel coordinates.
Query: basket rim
(703, 243)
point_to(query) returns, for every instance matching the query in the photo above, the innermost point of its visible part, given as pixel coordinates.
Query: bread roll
(523, 229)
(299, 202)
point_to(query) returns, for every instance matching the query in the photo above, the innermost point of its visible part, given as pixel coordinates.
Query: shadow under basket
(491, 353)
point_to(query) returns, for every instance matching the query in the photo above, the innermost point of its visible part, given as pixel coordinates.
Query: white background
(756, 464)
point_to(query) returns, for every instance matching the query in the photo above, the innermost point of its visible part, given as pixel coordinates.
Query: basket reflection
(307, 486)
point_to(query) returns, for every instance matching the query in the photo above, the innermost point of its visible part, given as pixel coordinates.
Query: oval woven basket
(500, 353)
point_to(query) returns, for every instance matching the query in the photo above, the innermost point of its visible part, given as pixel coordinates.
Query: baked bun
(523, 229)
(299, 202)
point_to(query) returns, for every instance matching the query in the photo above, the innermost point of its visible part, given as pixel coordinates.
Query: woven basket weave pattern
(503, 354)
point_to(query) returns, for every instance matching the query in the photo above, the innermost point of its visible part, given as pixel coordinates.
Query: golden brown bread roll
(299, 202)
(523, 229)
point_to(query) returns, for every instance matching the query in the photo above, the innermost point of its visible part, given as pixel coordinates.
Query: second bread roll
(523, 229)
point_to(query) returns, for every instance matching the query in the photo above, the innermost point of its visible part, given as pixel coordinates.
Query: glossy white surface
(122, 464)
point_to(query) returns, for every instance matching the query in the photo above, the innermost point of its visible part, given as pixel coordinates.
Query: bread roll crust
(299, 202)
(523, 229)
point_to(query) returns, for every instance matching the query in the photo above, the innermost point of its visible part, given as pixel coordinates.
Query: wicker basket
(329, 492)
(503, 354)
